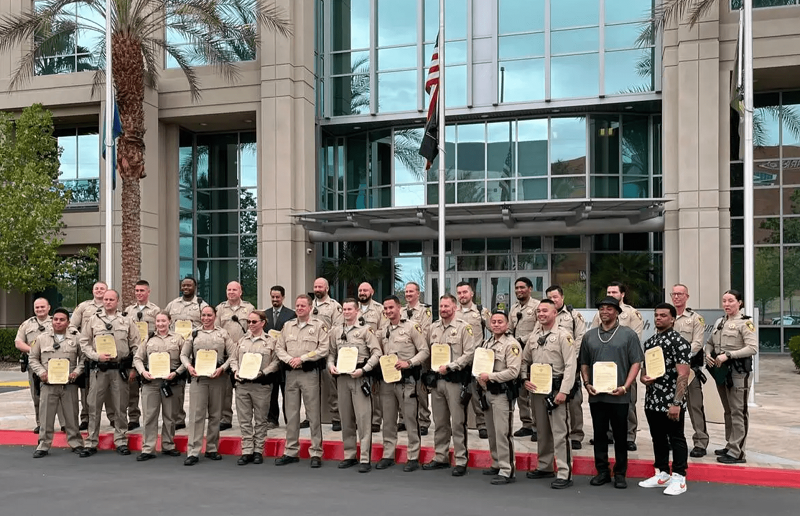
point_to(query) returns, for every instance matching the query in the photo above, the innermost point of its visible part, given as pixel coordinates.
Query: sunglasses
(250, 321)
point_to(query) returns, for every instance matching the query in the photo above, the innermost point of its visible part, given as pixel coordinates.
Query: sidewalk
(772, 455)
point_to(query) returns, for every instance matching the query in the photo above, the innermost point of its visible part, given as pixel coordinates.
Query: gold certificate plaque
(144, 330)
(105, 345)
(250, 366)
(158, 364)
(604, 376)
(654, 362)
(58, 371)
(347, 359)
(482, 362)
(205, 362)
(440, 356)
(274, 334)
(390, 374)
(542, 378)
(183, 328)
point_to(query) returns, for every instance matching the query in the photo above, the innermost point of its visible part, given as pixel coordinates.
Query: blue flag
(115, 133)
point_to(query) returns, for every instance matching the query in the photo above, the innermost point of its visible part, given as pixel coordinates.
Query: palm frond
(675, 11)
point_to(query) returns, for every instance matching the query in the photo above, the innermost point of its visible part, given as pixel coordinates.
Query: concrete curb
(333, 451)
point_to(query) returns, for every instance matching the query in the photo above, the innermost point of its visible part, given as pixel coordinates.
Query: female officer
(155, 394)
(205, 392)
(253, 394)
(731, 348)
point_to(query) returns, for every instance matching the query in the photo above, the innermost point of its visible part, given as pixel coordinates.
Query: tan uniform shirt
(568, 321)
(264, 345)
(558, 350)
(44, 350)
(328, 311)
(507, 358)
(182, 310)
(737, 337)
(474, 317)
(460, 337)
(691, 326)
(126, 336)
(148, 311)
(629, 317)
(361, 337)
(85, 311)
(215, 339)
(522, 326)
(308, 341)
(225, 313)
(407, 342)
(171, 343)
(373, 316)
(420, 314)
(29, 330)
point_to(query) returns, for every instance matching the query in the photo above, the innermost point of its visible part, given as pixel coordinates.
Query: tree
(31, 201)
(635, 270)
(212, 32)
(353, 267)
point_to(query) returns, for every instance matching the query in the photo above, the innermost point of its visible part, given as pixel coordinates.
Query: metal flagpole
(749, 249)
(440, 114)
(109, 144)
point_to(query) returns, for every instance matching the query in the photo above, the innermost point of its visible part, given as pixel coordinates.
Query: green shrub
(8, 351)
(794, 350)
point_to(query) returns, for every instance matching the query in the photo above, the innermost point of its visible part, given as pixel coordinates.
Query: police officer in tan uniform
(575, 324)
(329, 311)
(691, 326)
(156, 396)
(731, 347)
(500, 391)
(143, 315)
(355, 388)
(631, 318)
(478, 318)
(205, 392)
(452, 384)
(370, 313)
(108, 372)
(232, 317)
(26, 337)
(521, 321)
(182, 309)
(405, 340)
(80, 317)
(551, 344)
(60, 342)
(253, 394)
(421, 314)
(303, 346)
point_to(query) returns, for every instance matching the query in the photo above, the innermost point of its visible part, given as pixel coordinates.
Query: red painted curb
(333, 450)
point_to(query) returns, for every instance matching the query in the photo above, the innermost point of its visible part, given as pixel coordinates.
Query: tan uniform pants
(333, 396)
(450, 419)
(227, 402)
(182, 398)
(734, 401)
(355, 410)
(553, 437)
(393, 396)
(526, 414)
(61, 399)
(697, 413)
(84, 415)
(102, 387)
(305, 386)
(36, 403)
(424, 412)
(377, 403)
(154, 402)
(499, 424)
(575, 410)
(205, 397)
(134, 391)
(252, 406)
(480, 418)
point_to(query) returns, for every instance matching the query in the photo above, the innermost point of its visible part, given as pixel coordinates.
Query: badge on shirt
(311, 331)
(731, 326)
(428, 312)
(702, 321)
(356, 334)
(453, 333)
(402, 331)
(476, 315)
(569, 339)
(515, 350)
(530, 311)
(469, 330)
(623, 316)
(552, 338)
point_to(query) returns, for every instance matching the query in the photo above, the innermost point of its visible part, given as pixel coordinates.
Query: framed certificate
(440, 356)
(654, 362)
(541, 376)
(105, 345)
(250, 366)
(390, 374)
(205, 362)
(347, 359)
(158, 364)
(604, 376)
(58, 371)
(143, 330)
(274, 334)
(483, 361)
(183, 328)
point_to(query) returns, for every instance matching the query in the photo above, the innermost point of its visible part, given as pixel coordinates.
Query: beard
(364, 299)
(319, 295)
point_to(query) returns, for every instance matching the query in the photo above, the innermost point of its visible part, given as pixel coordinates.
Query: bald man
(232, 317)
(370, 314)
(80, 318)
(329, 311)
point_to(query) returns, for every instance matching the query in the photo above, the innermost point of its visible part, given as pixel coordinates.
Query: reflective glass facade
(80, 163)
(79, 51)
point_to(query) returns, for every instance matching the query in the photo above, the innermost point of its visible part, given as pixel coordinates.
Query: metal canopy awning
(503, 219)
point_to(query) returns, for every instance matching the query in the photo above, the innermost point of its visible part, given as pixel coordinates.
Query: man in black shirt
(617, 344)
(665, 401)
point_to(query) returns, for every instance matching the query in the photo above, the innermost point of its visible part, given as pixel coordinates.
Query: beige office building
(570, 151)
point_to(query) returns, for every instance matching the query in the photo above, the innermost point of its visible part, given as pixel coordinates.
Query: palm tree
(211, 32)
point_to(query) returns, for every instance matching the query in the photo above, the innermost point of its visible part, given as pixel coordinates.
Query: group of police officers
(297, 352)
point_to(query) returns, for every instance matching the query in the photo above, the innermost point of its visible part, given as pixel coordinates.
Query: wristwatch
(728, 354)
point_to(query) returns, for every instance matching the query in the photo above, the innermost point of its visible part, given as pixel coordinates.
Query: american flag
(429, 148)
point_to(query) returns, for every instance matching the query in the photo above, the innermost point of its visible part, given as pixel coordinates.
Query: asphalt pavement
(107, 483)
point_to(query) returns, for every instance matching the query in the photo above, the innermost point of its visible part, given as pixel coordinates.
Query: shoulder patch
(339, 308)
(750, 326)
(515, 349)
(428, 312)
(469, 329)
(417, 327)
(638, 314)
(700, 318)
(569, 339)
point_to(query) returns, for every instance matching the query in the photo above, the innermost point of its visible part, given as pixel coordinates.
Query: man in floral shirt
(666, 375)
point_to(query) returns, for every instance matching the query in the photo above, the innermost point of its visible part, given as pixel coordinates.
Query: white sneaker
(677, 485)
(660, 479)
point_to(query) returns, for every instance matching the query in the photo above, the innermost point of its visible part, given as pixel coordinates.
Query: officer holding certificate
(354, 354)
(158, 362)
(204, 354)
(551, 351)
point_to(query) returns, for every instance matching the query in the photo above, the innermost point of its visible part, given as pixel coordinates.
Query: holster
(316, 365)
(37, 385)
(23, 363)
(742, 365)
(429, 378)
(412, 372)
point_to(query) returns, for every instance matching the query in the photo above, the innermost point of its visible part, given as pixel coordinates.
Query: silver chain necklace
(611, 337)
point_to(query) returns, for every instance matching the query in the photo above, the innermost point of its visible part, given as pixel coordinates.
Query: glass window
(350, 62)
(605, 141)
(533, 148)
(574, 76)
(532, 189)
(471, 152)
(766, 126)
(350, 19)
(456, 86)
(351, 95)
(568, 188)
(73, 51)
(621, 36)
(520, 15)
(737, 4)
(397, 21)
(567, 146)
(80, 163)
(397, 57)
(500, 149)
(635, 145)
(455, 23)
(629, 71)
(526, 45)
(629, 10)
(397, 91)
(574, 41)
(521, 80)
(471, 192)
(574, 13)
